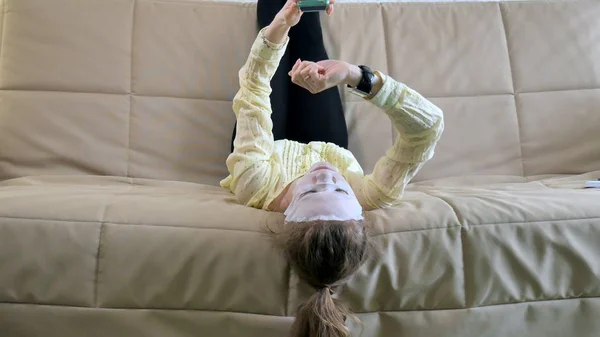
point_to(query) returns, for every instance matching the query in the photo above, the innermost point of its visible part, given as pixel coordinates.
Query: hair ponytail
(321, 316)
(324, 254)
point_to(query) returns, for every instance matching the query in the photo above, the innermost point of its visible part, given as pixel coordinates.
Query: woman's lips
(322, 167)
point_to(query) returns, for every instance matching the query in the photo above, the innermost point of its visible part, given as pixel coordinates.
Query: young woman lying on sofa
(288, 157)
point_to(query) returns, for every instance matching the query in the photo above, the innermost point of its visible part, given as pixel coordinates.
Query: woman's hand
(287, 17)
(320, 76)
(290, 14)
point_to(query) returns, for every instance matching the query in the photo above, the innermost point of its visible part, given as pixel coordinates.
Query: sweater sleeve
(253, 170)
(419, 124)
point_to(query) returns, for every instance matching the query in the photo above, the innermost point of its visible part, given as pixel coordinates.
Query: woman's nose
(324, 177)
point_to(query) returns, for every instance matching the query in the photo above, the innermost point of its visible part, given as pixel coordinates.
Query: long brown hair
(324, 254)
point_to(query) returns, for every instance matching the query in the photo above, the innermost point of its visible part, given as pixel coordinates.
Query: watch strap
(365, 86)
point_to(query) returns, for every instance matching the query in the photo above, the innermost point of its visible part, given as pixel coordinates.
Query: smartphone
(313, 5)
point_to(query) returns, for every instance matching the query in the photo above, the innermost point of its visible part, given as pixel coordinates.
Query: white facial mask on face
(323, 195)
(324, 206)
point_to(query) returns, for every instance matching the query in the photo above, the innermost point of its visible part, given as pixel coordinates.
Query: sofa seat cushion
(127, 243)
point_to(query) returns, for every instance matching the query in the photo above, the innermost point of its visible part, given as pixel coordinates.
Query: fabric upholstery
(115, 123)
(119, 245)
(159, 89)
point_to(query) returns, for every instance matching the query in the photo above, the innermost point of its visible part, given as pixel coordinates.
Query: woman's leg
(297, 114)
(265, 12)
(312, 117)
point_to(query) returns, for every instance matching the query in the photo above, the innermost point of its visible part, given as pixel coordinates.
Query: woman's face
(322, 194)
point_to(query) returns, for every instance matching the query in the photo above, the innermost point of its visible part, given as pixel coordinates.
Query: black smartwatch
(365, 86)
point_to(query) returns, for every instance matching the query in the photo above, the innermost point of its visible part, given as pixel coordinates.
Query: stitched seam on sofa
(128, 148)
(134, 309)
(463, 249)
(134, 224)
(510, 63)
(463, 227)
(198, 228)
(4, 16)
(101, 236)
(244, 3)
(503, 20)
(262, 233)
(487, 306)
(542, 222)
(117, 94)
(481, 307)
(386, 47)
(252, 4)
(416, 230)
(99, 253)
(50, 90)
(231, 100)
(545, 222)
(472, 95)
(556, 90)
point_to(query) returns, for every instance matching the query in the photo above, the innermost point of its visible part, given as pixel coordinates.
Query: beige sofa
(115, 122)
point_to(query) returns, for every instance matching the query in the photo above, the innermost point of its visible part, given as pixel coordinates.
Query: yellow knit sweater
(260, 168)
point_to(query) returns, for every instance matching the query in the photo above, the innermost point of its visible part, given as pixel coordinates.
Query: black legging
(297, 114)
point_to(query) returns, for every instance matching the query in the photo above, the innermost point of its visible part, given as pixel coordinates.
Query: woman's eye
(341, 191)
(309, 192)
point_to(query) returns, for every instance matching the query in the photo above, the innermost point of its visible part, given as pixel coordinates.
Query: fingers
(298, 66)
(294, 67)
(330, 8)
(316, 79)
(291, 7)
(306, 74)
(300, 76)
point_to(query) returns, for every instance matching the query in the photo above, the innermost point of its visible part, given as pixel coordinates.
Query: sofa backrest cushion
(143, 88)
